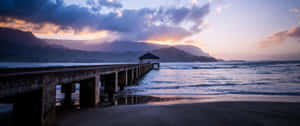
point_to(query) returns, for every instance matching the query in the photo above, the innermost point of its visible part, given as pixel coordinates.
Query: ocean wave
(197, 67)
(224, 93)
(172, 93)
(217, 79)
(266, 93)
(204, 85)
(166, 82)
(213, 67)
(264, 72)
(234, 65)
(263, 63)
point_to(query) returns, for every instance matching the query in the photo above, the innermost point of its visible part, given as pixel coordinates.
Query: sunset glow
(229, 29)
(149, 62)
(52, 31)
(163, 42)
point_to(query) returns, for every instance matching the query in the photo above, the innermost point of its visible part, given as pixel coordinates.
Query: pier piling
(89, 92)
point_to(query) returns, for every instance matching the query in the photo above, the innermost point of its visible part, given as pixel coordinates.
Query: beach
(204, 114)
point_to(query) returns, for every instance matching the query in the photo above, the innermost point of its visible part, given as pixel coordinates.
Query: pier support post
(116, 87)
(110, 83)
(48, 105)
(122, 79)
(67, 89)
(129, 77)
(137, 73)
(90, 92)
(132, 76)
(140, 71)
(36, 108)
(126, 78)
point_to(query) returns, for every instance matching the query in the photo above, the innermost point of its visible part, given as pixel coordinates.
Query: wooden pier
(32, 91)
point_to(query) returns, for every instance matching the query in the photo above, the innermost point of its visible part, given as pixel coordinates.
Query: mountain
(72, 44)
(192, 50)
(173, 54)
(128, 46)
(116, 46)
(19, 46)
(123, 46)
(11, 37)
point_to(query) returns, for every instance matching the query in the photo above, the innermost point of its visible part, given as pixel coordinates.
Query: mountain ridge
(123, 46)
(172, 54)
(19, 46)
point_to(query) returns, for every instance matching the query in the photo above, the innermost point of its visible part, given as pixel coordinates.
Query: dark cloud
(179, 15)
(98, 4)
(134, 24)
(163, 33)
(107, 3)
(280, 37)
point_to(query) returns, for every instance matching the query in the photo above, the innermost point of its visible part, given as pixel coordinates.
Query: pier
(32, 91)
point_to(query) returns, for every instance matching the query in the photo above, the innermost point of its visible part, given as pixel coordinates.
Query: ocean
(223, 81)
(214, 81)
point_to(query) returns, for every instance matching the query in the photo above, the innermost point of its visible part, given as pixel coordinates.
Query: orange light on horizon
(163, 42)
(52, 31)
(72, 35)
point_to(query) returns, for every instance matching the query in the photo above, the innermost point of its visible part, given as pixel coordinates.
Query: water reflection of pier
(131, 100)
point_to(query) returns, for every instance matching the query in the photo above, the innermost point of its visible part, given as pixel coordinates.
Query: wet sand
(204, 114)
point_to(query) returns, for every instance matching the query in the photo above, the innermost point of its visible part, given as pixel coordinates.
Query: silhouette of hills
(19, 46)
(122, 46)
(173, 54)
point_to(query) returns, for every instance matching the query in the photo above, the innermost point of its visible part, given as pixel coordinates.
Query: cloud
(280, 37)
(98, 5)
(194, 2)
(195, 43)
(294, 32)
(295, 10)
(274, 39)
(192, 15)
(138, 24)
(49, 30)
(221, 8)
(164, 34)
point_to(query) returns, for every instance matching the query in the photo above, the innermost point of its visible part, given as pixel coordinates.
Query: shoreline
(183, 111)
(193, 114)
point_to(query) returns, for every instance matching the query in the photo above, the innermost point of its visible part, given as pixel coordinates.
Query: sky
(226, 29)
